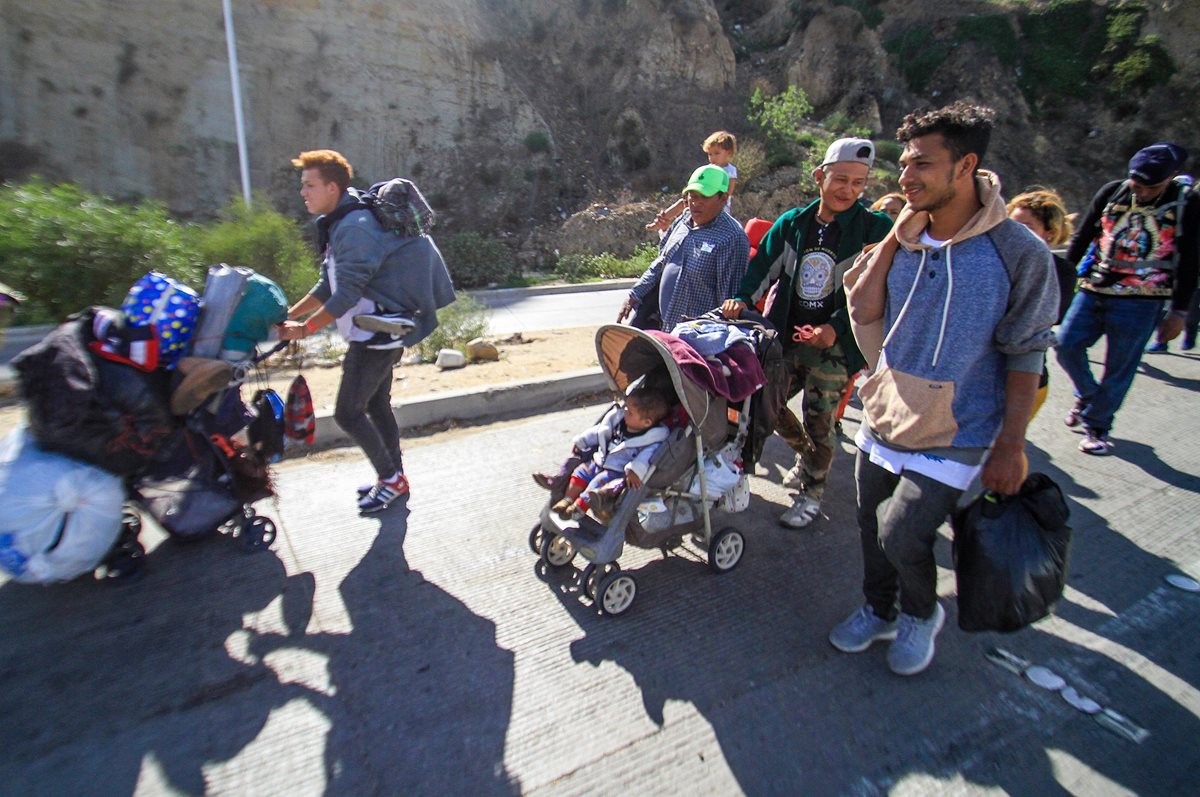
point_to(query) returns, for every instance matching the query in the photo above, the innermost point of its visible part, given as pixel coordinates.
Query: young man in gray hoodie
(953, 313)
(366, 271)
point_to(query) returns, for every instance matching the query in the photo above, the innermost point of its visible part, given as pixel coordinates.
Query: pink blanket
(735, 374)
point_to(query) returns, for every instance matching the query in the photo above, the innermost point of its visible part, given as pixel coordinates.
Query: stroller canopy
(627, 353)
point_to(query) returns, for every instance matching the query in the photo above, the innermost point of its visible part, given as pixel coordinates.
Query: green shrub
(782, 116)
(476, 261)
(840, 124)
(263, 239)
(994, 33)
(65, 248)
(888, 150)
(1060, 44)
(751, 162)
(920, 54)
(537, 141)
(1148, 65)
(458, 323)
(579, 268)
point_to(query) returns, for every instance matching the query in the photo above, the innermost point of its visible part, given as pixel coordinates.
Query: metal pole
(238, 120)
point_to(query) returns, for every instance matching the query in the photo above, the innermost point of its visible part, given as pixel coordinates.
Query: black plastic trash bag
(104, 413)
(1010, 556)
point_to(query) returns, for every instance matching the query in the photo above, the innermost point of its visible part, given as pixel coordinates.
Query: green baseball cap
(708, 180)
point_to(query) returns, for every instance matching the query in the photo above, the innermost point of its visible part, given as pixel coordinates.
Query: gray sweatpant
(898, 519)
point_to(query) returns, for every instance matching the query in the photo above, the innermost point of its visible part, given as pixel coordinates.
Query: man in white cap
(701, 258)
(804, 255)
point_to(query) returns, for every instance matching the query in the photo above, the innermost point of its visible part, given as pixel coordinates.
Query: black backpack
(397, 205)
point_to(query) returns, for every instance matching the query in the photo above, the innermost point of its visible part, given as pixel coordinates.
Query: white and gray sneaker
(384, 341)
(856, 633)
(394, 323)
(914, 647)
(803, 512)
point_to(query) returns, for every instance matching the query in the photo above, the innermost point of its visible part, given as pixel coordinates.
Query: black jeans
(364, 406)
(898, 518)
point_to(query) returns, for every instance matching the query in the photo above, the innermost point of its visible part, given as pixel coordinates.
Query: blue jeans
(1128, 325)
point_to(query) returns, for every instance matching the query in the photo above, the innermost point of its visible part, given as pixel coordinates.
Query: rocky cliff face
(514, 113)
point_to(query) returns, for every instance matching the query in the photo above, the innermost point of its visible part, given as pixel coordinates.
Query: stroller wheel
(124, 563)
(725, 550)
(131, 523)
(591, 575)
(556, 550)
(535, 539)
(615, 593)
(258, 533)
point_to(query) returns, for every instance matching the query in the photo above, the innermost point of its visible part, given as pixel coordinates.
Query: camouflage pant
(821, 375)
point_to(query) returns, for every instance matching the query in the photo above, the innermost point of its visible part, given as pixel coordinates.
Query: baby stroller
(212, 481)
(700, 463)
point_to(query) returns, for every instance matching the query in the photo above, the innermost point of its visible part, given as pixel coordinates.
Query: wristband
(309, 329)
(1179, 313)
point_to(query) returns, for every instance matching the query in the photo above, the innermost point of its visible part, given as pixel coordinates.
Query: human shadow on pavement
(748, 652)
(102, 679)
(420, 694)
(1183, 383)
(1122, 603)
(1145, 458)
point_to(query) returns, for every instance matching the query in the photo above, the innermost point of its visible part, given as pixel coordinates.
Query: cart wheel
(131, 523)
(726, 550)
(556, 551)
(124, 563)
(535, 539)
(615, 593)
(591, 575)
(258, 533)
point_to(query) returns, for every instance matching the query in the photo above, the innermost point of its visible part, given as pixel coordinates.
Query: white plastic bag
(720, 477)
(737, 499)
(60, 516)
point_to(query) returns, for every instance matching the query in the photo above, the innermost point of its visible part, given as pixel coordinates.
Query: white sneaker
(856, 633)
(914, 647)
(803, 512)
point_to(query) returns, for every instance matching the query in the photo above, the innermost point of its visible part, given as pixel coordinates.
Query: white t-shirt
(958, 475)
(345, 323)
(731, 170)
(930, 241)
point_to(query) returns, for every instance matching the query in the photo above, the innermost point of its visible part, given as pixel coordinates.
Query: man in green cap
(701, 258)
(805, 254)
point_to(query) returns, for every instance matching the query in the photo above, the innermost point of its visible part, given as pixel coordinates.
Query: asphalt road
(528, 310)
(421, 651)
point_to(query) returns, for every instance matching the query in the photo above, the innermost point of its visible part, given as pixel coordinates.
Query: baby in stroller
(615, 452)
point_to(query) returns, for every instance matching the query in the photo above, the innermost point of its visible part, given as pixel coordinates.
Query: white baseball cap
(850, 150)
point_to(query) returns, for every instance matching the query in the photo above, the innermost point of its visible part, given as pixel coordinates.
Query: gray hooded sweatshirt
(957, 319)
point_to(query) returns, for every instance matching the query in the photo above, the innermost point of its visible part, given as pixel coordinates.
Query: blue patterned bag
(171, 307)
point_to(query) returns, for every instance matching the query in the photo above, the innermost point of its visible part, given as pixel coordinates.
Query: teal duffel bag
(262, 306)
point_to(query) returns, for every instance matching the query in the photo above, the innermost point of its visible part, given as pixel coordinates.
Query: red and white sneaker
(384, 494)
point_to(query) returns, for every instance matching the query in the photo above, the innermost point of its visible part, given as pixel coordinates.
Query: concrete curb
(481, 404)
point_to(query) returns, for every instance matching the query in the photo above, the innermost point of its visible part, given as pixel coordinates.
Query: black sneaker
(394, 323)
(384, 341)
